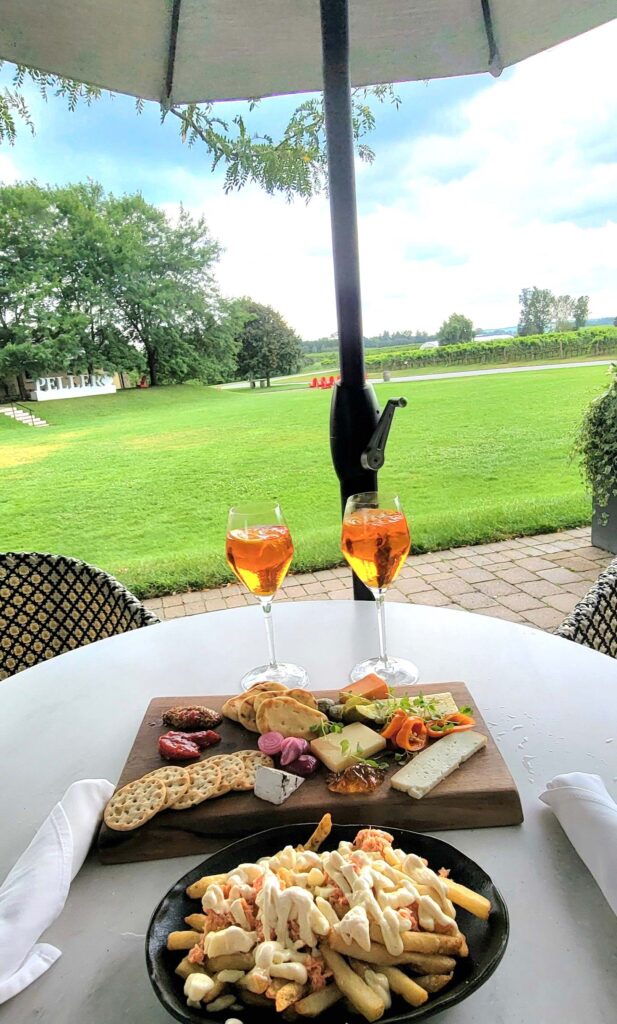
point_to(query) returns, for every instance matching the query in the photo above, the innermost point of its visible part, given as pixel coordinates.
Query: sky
(479, 187)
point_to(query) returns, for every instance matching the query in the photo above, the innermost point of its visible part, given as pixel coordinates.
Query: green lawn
(140, 482)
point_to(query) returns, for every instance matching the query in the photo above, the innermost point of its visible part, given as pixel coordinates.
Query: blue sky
(479, 188)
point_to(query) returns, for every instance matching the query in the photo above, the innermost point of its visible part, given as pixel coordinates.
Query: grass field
(140, 482)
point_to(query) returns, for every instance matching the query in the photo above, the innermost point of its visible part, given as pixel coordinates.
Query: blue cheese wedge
(275, 786)
(433, 765)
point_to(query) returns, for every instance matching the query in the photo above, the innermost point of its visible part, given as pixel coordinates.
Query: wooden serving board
(480, 794)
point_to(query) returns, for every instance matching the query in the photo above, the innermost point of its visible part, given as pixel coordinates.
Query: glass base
(395, 671)
(290, 675)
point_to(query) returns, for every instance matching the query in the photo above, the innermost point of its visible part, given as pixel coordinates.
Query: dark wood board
(480, 794)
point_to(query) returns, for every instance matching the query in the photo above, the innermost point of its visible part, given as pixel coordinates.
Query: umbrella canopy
(182, 51)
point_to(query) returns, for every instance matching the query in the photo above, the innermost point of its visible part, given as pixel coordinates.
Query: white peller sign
(70, 385)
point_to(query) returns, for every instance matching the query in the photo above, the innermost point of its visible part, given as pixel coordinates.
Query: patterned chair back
(50, 604)
(593, 621)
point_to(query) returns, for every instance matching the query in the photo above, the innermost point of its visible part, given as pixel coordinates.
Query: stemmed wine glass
(375, 541)
(259, 550)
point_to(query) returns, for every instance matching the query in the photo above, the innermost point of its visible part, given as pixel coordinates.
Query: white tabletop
(550, 704)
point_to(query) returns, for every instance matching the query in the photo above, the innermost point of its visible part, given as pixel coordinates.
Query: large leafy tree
(294, 163)
(267, 344)
(537, 306)
(456, 329)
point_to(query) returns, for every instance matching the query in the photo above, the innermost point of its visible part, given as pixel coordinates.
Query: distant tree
(581, 311)
(563, 312)
(267, 344)
(536, 310)
(457, 328)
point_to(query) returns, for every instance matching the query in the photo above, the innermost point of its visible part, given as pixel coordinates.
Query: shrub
(597, 445)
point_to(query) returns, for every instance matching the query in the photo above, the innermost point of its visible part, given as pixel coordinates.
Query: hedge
(590, 341)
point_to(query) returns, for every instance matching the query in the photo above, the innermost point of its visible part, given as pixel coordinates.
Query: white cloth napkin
(588, 815)
(35, 890)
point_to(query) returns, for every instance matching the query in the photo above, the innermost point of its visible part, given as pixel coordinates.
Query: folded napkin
(35, 890)
(588, 816)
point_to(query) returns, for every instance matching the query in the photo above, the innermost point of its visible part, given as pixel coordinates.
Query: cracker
(205, 777)
(176, 779)
(303, 696)
(251, 758)
(246, 711)
(287, 716)
(135, 804)
(231, 706)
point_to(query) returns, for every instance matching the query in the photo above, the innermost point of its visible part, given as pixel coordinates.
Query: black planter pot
(604, 526)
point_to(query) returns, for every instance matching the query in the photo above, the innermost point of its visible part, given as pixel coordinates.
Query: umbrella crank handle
(374, 454)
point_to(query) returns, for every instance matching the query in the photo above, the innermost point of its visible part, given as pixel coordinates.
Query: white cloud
(534, 201)
(9, 172)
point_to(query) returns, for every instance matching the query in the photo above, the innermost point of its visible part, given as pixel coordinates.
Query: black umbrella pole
(354, 413)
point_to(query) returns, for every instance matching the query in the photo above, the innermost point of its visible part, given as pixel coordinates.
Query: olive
(324, 704)
(335, 713)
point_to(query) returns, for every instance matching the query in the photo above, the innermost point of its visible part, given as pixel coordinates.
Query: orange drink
(375, 542)
(260, 557)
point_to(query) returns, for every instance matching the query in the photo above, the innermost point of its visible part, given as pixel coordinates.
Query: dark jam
(358, 778)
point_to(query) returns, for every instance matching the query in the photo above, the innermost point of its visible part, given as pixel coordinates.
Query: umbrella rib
(171, 51)
(495, 65)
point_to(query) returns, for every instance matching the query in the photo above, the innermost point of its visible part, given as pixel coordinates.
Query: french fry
(363, 998)
(469, 900)
(288, 995)
(215, 992)
(422, 942)
(221, 1003)
(255, 983)
(196, 921)
(433, 982)
(317, 1002)
(254, 999)
(198, 888)
(320, 834)
(185, 967)
(411, 992)
(183, 940)
(231, 962)
(424, 963)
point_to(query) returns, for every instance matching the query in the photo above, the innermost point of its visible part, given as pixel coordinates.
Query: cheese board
(480, 794)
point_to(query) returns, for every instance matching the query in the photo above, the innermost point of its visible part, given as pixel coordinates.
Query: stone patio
(533, 580)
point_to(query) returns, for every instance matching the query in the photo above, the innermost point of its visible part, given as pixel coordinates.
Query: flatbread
(246, 711)
(231, 707)
(177, 781)
(287, 716)
(303, 696)
(135, 804)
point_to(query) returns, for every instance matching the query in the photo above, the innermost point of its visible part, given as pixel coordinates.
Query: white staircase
(29, 419)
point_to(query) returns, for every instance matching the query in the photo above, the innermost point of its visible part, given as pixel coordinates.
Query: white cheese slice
(432, 765)
(444, 704)
(338, 750)
(275, 786)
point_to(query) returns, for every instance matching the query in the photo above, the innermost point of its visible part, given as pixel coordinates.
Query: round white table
(551, 706)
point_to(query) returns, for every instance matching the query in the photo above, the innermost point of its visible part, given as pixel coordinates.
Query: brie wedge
(433, 765)
(275, 786)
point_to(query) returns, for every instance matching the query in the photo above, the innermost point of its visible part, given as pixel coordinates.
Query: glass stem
(266, 604)
(381, 623)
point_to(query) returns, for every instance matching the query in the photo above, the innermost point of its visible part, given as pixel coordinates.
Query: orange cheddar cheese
(371, 687)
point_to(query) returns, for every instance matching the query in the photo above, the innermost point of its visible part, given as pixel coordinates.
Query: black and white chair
(50, 604)
(593, 621)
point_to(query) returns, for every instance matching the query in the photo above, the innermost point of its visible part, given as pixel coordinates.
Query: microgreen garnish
(325, 728)
(466, 710)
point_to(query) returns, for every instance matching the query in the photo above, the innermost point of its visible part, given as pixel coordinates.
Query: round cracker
(234, 774)
(251, 759)
(177, 781)
(246, 712)
(135, 804)
(303, 697)
(205, 777)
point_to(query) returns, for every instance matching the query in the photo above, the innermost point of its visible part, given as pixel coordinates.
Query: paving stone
(197, 596)
(539, 588)
(304, 577)
(231, 590)
(473, 600)
(497, 588)
(595, 554)
(411, 586)
(155, 604)
(172, 600)
(562, 602)
(576, 563)
(338, 583)
(292, 593)
(577, 589)
(238, 601)
(515, 575)
(175, 612)
(461, 563)
(534, 563)
(194, 609)
(558, 575)
(547, 618)
(497, 611)
(325, 574)
(341, 595)
(314, 588)
(216, 605)
(451, 586)
(427, 569)
(431, 597)
(475, 575)
(520, 602)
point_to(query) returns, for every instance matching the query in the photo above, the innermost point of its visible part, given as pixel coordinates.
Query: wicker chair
(593, 621)
(50, 604)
